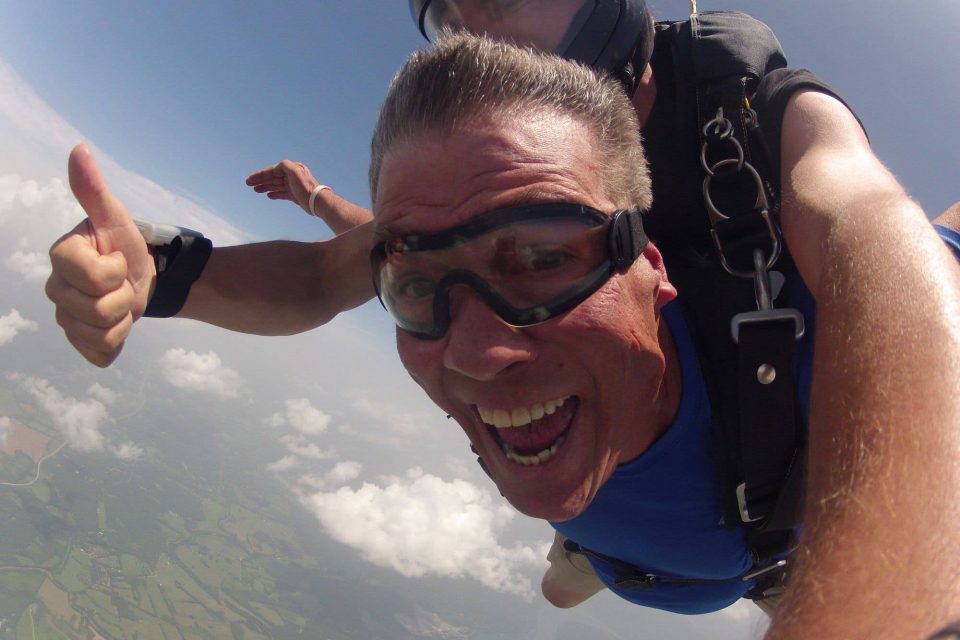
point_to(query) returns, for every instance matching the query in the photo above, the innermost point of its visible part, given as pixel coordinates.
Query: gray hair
(466, 78)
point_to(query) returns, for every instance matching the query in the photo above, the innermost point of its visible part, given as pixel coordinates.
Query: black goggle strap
(377, 256)
(627, 239)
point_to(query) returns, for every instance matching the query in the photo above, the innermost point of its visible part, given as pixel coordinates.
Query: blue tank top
(951, 237)
(661, 512)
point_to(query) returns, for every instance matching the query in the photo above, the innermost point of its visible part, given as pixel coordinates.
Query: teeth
(535, 459)
(503, 418)
(486, 414)
(520, 416)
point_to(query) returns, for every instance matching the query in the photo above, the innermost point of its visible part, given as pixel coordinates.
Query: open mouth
(531, 435)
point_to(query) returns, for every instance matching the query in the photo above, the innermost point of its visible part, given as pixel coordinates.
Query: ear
(665, 291)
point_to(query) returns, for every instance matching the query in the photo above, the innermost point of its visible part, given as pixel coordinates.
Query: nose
(479, 344)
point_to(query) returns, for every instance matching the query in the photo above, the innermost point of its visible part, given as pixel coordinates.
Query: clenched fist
(103, 273)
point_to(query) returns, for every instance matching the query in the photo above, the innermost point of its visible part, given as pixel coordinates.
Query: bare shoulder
(815, 117)
(834, 187)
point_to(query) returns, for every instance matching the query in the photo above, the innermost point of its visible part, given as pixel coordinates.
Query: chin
(548, 506)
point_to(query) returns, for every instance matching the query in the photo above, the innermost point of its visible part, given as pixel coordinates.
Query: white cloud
(460, 467)
(737, 611)
(385, 414)
(12, 324)
(286, 463)
(33, 266)
(127, 451)
(199, 372)
(276, 420)
(342, 473)
(5, 426)
(101, 393)
(44, 130)
(78, 420)
(421, 524)
(303, 417)
(48, 210)
(302, 447)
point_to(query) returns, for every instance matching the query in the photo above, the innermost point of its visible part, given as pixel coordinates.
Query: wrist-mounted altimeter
(179, 255)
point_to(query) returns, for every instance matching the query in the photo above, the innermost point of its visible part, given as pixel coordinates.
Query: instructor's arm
(880, 549)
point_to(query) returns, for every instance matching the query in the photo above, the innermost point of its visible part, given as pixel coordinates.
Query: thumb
(113, 228)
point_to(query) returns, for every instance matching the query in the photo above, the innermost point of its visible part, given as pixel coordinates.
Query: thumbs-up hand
(103, 274)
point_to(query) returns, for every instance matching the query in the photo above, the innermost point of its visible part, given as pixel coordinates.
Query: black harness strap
(768, 415)
(749, 374)
(762, 420)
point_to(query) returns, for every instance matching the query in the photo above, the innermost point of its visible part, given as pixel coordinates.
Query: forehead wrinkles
(443, 179)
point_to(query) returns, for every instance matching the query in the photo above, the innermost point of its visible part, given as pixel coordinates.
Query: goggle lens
(528, 264)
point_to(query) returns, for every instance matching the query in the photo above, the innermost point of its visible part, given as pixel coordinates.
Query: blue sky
(197, 95)
(183, 99)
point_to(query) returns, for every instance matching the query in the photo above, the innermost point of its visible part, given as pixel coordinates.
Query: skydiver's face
(540, 23)
(609, 360)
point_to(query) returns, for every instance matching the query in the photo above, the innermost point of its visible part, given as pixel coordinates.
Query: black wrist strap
(179, 264)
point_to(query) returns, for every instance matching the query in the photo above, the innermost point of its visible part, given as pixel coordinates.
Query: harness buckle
(745, 516)
(756, 573)
(768, 582)
(767, 315)
(765, 312)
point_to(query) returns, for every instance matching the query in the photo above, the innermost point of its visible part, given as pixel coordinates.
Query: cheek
(612, 311)
(617, 325)
(421, 358)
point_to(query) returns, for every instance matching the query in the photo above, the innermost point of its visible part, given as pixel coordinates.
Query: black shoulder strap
(750, 378)
(718, 58)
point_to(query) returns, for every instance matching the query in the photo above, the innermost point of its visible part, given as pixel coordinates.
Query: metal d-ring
(740, 159)
(719, 121)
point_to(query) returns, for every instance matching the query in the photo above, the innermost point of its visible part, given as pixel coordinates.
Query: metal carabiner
(715, 214)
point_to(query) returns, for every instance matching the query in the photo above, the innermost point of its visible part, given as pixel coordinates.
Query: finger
(102, 312)
(80, 267)
(103, 209)
(269, 186)
(263, 174)
(254, 182)
(113, 228)
(99, 346)
(96, 358)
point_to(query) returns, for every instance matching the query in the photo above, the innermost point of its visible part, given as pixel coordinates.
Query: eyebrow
(533, 197)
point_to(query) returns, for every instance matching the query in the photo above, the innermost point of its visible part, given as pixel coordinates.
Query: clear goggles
(523, 22)
(528, 264)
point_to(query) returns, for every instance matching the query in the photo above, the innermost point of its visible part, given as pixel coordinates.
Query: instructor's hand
(102, 272)
(286, 180)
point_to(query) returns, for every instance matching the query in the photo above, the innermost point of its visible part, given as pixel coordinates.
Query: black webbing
(768, 411)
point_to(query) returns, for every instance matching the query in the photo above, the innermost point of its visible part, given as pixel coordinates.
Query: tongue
(539, 434)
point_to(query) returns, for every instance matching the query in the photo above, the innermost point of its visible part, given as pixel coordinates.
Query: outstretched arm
(880, 550)
(281, 287)
(288, 180)
(103, 276)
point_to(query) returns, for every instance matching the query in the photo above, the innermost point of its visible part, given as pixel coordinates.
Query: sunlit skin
(613, 352)
(541, 23)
